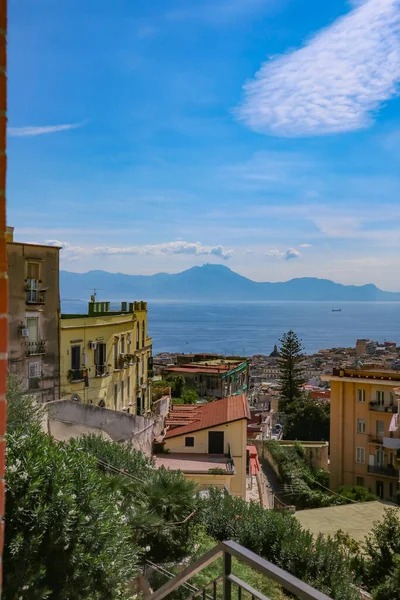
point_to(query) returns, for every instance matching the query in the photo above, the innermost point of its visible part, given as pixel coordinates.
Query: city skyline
(260, 134)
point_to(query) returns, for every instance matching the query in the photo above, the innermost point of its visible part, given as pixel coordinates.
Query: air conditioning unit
(25, 332)
(92, 345)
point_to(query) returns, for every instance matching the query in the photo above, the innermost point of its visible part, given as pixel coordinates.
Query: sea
(247, 328)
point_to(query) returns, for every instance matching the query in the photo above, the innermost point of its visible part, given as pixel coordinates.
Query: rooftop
(102, 309)
(187, 418)
(193, 463)
(210, 367)
(365, 371)
(354, 519)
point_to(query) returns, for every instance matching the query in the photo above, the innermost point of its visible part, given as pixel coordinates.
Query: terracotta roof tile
(181, 420)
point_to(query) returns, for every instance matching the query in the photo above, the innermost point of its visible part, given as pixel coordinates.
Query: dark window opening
(189, 442)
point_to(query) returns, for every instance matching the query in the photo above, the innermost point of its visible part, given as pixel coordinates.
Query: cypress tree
(291, 372)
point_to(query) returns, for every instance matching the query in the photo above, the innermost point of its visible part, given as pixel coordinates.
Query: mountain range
(213, 283)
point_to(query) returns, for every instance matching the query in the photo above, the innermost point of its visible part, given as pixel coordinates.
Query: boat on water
(336, 310)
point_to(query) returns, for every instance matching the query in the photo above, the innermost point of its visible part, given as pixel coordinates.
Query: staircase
(232, 586)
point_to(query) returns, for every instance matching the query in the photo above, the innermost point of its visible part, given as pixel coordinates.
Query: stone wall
(66, 419)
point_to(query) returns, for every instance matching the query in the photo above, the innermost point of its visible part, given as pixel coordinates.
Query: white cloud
(169, 248)
(30, 131)
(335, 82)
(289, 254)
(305, 245)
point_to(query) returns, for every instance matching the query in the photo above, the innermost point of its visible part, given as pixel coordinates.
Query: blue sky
(154, 136)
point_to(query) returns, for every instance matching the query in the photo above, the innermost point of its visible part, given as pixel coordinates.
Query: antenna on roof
(93, 296)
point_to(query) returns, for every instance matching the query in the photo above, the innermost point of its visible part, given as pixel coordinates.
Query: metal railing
(76, 374)
(35, 348)
(389, 470)
(101, 370)
(229, 550)
(376, 438)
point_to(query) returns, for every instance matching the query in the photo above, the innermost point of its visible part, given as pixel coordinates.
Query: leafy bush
(358, 493)
(279, 538)
(66, 535)
(303, 486)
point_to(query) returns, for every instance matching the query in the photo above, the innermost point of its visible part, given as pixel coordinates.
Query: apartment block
(365, 437)
(33, 315)
(105, 357)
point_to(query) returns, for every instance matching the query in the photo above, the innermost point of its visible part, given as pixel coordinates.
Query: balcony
(388, 471)
(35, 348)
(376, 407)
(375, 438)
(75, 375)
(101, 370)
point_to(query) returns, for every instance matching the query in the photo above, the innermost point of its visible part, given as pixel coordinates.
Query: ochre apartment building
(364, 436)
(105, 357)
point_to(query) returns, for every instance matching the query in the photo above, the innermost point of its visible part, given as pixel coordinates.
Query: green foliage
(153, 500)
(66, 536)
(291, 372)
(301, 483)
(162, 383)
(22, 409)
(306, 419)
(189, 396)
(357, 492)
(121, 456)
(382, 553)
(278, 537)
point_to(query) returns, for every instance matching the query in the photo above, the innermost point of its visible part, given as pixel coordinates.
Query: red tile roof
(187, 418)
(196, 368)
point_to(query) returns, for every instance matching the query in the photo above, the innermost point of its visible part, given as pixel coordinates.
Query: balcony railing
(76, 375)
(375, 406)
(35, 348)
(375, 438)
(389, 470)
(227, 585)
(101, 370)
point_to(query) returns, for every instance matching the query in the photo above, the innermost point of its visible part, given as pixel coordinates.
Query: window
(143, 361)
(115, 396)
(391, 398)
(100, 359)
(116, 362)
(380, 428)
(34, 373)
(76, 362)
(391, 489)
(360, 455)
(137, 336)
(390, 460)
(143, 333)
(360, 481)
(128, 388)
(32, 282)
(380, 398)
(122, 344)
(360, 395)
(122, 392)
(360, 425)
(189, 442)
(128, 342)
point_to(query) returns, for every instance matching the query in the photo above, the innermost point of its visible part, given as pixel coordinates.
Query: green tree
(382, 553)
(291, 372)
(66, 536)
(307, 419)
(189, 397)
(358, 493)
(177, 383)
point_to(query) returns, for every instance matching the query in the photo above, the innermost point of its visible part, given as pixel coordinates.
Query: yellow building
(105, 356)
(364, 438)
(208, 443)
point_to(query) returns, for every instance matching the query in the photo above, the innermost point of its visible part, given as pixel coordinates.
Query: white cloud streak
(305, 245)
(169, 248)
(335, 82)
(41, 130)
(289, 254)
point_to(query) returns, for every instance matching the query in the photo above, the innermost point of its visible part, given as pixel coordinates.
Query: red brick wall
(3, 263)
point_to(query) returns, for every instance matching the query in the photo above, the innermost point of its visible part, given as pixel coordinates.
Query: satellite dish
(75, 398)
